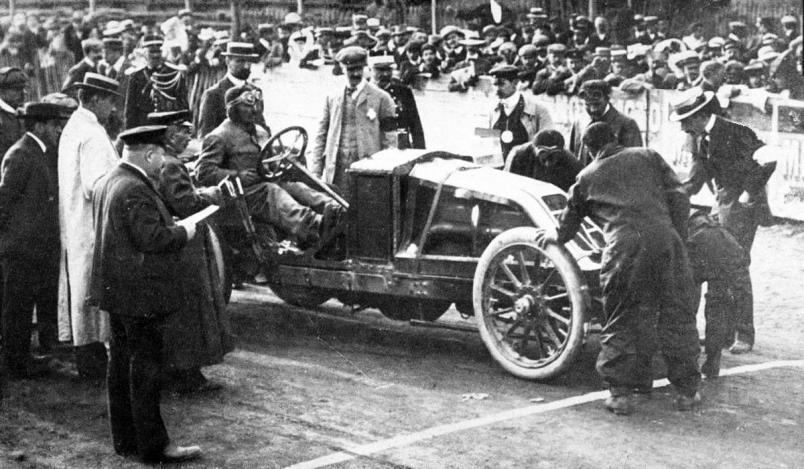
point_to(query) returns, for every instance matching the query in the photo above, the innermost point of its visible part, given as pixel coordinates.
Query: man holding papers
(136, 258)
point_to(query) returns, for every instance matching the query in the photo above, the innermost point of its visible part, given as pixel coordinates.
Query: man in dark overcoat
(29, 235)
(239, 58)
(136, 256)
(595, 95)
(407, 114)
(727, 155)
(648, 292)
(12, 95)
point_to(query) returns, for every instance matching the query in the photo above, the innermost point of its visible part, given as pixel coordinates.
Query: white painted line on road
(403, 440)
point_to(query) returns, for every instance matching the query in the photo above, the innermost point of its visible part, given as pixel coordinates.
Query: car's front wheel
(530, 303)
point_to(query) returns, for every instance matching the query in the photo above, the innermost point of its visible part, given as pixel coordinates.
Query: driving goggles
(249, 97)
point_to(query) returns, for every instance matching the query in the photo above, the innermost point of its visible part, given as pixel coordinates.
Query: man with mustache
(239, 57)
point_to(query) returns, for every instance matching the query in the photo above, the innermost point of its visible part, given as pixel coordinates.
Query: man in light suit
(358, 121)
(239, 58)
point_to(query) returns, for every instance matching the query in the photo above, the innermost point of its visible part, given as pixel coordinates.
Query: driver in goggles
(233, 149)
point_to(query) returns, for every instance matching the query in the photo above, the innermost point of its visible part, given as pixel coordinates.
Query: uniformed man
(648, 291)
(408, 124)
(157, 86)
(517, 116)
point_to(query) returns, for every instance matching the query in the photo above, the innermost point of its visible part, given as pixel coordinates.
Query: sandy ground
(303, 385)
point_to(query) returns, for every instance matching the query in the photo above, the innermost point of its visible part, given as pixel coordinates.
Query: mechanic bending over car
(648, 290)
(233, 150)
(545, 159)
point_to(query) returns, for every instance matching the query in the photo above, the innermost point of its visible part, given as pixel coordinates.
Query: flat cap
(737, 26)
(44, 111)
(603, 51)
(508, 46)
(505, 72)
(352, 55)
(12, 77)
(789, 19)
(144, 134)
(557, 48)
(619, 55)
(169, 117)
(381, 61)
(716, 42)
(528, 50)
(540, 41)
(451, 29)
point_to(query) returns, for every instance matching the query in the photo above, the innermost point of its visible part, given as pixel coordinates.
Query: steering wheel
(275, 156)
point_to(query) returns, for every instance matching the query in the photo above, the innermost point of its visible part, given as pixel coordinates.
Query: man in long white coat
(85, 155)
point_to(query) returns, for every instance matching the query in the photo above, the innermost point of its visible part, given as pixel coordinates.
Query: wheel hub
(524, 304)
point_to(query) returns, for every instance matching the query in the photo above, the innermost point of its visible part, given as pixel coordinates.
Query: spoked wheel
(530, 303)
(223, 268)
(305, 297)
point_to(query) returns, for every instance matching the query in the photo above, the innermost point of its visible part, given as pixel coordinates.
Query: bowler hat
(243, 50)
(44, 111)
(144, 134)
(352, 55)
(689, 103)
(98, 82)
(381, 61)
(12, 77)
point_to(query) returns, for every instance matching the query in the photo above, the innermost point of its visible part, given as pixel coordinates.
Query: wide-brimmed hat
(690, 102)
(244, 50)
(98, 82)
(44, 111)
(12, 77)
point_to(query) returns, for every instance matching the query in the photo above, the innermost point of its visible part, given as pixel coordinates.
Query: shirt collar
(710, 124)
(38, 140)
(510, 102)
(89, 115)
(7, 107)
(358, 88)
(136, 168)
(237, 82)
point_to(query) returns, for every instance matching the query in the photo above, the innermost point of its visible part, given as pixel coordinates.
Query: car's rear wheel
(405, 310)
(305, 297)
(530, 303)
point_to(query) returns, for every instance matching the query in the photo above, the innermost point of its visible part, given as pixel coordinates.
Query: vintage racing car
(427, 229)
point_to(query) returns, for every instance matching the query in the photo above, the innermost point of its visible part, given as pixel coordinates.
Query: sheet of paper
(199, 216)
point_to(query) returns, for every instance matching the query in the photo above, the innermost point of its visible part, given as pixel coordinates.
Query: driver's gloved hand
(248, 177)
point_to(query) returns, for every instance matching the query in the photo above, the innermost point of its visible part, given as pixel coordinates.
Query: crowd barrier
(452, 120)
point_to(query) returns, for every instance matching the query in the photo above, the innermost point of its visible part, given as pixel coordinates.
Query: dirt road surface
(305, 385)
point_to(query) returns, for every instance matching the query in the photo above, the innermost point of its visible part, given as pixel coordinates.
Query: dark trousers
(649, 305)
(28, 283)
(742, 221)
(291, 206)
(134, 387)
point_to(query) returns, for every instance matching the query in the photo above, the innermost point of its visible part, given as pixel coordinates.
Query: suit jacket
(729, 161)
(178, 192)
(556, 166)
(375, 119)
(29, 208)
(625, 129)
(407, 114)
(10, 131)
(77, 72)
(139, 99)
(137, 247)
(227, 150)
(213, 106)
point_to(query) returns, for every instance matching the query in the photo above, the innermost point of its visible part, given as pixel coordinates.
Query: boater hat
(98, 82)
(689, 103)
(243, 50)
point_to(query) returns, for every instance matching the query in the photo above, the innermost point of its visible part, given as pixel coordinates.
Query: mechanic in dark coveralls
(718, 259)
(637, 199)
